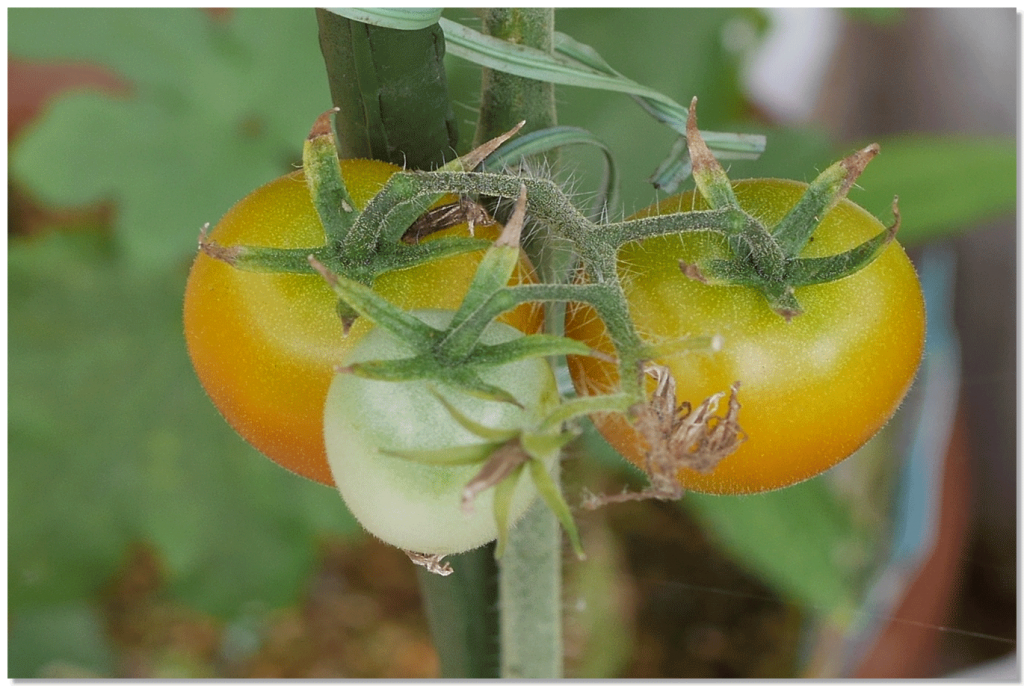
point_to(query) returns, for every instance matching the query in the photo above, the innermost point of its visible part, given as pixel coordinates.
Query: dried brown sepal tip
(226, 254)
(513, 231)
(347, 320)
(787, 313)
(787, 306)
(708, 174)
(323, 271)
(432, 563)
(679, 437)
(322, 126)
(499, 466)
(894, 229)
(855, 165)
(692, 271)
(465, 211)
(472, 159)
(700, 154)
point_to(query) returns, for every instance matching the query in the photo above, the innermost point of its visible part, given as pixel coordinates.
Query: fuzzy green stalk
(507, 99)
(530, 593)
(531, 566)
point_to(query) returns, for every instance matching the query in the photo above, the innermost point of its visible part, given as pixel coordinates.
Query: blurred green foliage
(111, 439)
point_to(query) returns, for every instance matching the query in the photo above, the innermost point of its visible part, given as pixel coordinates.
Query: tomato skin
(814, 389)
(408, 504)
(264, 345)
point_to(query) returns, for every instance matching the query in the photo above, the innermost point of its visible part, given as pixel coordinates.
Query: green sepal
(363, 300)
(327, 188)
(493, 435)
(552, 496)
(503, 493)
(492, 275)
(255, 258)
(777, 292)
(808, 271)
(447, 457)
(729, 273)
(470, 382)
(404, 369)
(755, 247)
(425, 367)
(532, 345)
(830, 186)
(411, 255)
(586, 405)
(541, 446)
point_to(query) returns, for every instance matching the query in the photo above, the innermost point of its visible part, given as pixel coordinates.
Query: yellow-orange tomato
(264, 345)
(814, 389)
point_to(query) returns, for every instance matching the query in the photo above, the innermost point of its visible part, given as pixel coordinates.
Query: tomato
(406, 503)
(813, 389)
(264, 345)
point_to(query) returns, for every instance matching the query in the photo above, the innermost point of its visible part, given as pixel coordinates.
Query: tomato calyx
(767, 258)
(362, 244)
(327, 189)
(455, 355)
(503, 457)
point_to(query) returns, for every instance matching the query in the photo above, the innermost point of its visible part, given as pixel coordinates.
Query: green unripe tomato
(408, 504)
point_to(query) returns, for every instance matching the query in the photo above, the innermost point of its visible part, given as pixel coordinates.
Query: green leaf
(946, 185)
(401, 18)
(576, 64)
(215, 108)
(534, 345)
(678, 52)
(112, 440)
(791, 537)
(496, 436)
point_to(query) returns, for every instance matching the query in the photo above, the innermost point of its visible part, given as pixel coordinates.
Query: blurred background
(145, 539)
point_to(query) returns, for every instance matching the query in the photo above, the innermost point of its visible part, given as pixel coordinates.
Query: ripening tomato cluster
(816, 387)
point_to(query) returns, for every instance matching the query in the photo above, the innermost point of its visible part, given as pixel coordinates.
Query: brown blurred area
(953, 71)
